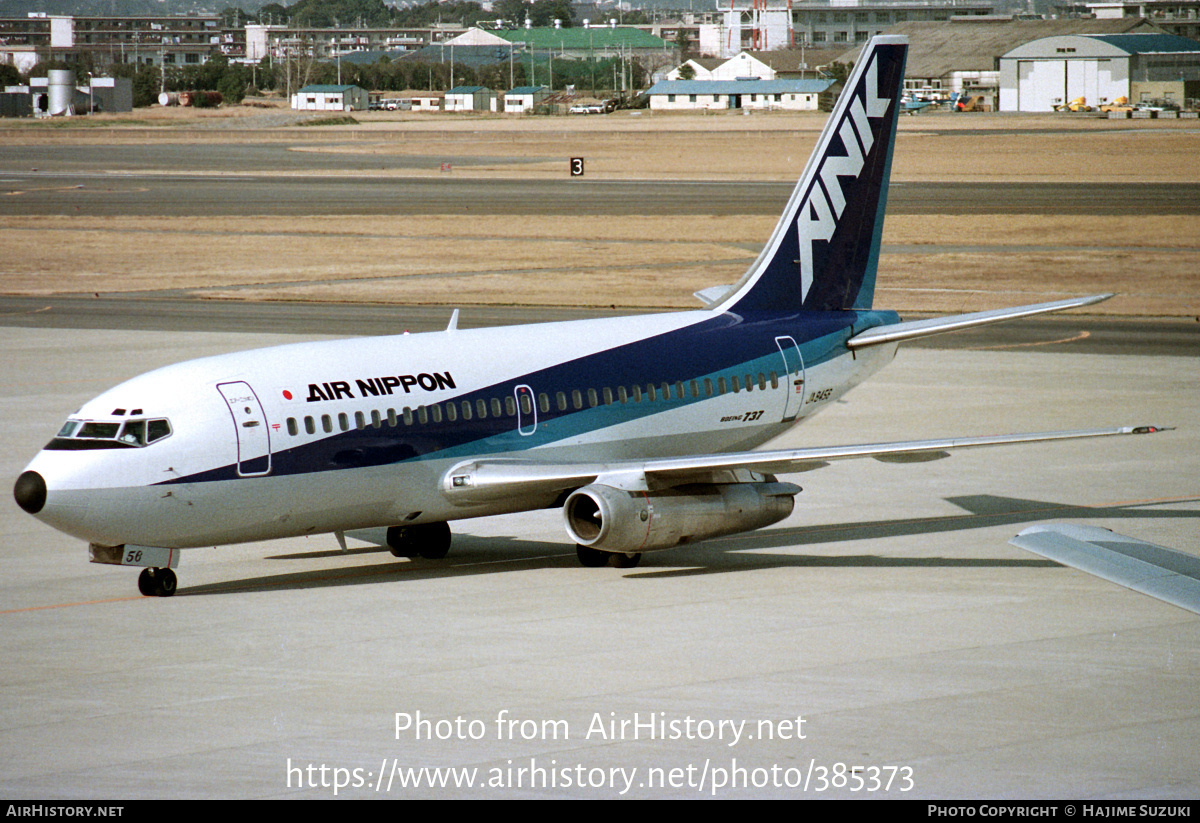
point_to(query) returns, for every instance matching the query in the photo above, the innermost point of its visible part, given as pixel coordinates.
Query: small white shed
(330, 98)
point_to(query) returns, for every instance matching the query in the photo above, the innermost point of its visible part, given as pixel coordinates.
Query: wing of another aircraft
(475, 481)
(1166, 574)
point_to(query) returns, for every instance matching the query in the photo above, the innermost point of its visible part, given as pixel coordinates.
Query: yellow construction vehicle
(1078, 104)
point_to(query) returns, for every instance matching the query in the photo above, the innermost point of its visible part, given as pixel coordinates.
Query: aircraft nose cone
(30, 492)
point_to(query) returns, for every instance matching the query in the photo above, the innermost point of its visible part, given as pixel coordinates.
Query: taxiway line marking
(1083, 335)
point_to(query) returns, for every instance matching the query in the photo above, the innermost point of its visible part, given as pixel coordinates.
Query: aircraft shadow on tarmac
(983, 511)
(473, 555)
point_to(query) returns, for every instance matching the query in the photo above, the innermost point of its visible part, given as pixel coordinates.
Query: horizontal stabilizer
(911, 330)
(712, 295)
(1169, 575)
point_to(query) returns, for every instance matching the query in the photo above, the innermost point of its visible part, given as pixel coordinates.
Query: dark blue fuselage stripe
(725, 345)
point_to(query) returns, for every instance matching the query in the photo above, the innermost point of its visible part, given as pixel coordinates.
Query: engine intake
(614, 520)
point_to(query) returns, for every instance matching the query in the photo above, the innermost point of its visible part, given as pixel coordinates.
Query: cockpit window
(157, 430)
(90, 434)
(134, 433)
(99, 431)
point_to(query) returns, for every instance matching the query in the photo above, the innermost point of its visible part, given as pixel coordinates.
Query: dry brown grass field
(930, 263)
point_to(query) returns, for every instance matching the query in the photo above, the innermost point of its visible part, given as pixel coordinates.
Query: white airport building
(470, 98)
(524, 99)
(715, 95)
(330, 98)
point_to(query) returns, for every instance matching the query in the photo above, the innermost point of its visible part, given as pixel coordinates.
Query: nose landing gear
(154, 582)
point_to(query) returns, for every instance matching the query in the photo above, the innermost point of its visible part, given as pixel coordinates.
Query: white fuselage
(333, 436)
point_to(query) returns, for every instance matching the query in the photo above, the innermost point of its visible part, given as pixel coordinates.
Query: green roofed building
(321, 97)
(574, 43)
(470, 98)
(523, 99)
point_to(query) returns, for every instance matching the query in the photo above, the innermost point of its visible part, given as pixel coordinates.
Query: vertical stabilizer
(823, 253)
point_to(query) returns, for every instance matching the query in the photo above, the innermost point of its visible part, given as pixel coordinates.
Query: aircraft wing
(476, 481)
(1166, 574)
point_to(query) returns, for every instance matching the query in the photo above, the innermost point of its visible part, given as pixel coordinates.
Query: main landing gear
(594, 558)
(154, 582)
(428, 540)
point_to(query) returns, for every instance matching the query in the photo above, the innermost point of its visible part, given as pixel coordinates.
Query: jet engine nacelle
(614, 520)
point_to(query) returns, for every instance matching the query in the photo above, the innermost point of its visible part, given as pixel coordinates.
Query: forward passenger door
(250, 428)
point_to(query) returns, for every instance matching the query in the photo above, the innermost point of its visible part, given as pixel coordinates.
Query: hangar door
(1040, 84)
(1044, 84)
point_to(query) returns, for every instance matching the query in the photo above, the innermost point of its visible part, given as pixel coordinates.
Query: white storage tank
(60, 84)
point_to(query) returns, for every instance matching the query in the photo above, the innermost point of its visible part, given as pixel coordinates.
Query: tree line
(235, 81)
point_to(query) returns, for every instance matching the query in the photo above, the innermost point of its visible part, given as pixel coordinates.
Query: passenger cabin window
(142, 432)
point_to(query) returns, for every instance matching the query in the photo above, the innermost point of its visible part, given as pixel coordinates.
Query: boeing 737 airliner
(640, 428)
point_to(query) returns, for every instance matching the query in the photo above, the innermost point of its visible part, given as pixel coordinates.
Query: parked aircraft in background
(640, 428)
(911, 105)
